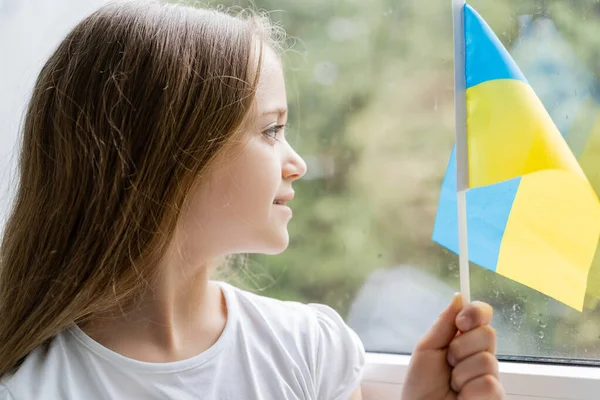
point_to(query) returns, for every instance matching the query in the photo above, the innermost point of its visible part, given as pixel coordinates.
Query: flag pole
(462, 172)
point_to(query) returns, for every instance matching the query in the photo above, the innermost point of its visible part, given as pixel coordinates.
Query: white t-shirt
(269, 349)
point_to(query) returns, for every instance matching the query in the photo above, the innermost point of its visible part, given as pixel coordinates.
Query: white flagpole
(463, 256)
(462, 172)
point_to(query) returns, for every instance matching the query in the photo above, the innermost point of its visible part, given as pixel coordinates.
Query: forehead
(270, 101)
(270, 92)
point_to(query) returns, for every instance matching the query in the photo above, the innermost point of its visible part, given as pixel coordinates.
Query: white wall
(29, 31)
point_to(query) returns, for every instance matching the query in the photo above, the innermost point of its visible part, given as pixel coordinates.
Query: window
(371, 100)
(370, 89)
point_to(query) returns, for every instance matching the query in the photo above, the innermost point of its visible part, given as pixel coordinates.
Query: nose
(294, 166)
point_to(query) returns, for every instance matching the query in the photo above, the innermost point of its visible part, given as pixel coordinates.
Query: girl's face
(241, 207)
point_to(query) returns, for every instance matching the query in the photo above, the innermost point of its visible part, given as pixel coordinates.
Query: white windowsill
(384, 375)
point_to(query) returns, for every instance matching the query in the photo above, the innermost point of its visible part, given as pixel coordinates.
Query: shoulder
(20, 383)
(316, 333)
(310, 322)
(277, 313)
(42, 373)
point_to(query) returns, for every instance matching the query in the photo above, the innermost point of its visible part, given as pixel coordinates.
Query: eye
(271, 133)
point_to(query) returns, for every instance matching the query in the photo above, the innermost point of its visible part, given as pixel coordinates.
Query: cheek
(250, 182)
(257, 173)
(241, 187)
(235, 205)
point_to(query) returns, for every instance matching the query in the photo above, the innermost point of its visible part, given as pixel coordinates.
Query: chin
(279, 247)
(276, 244)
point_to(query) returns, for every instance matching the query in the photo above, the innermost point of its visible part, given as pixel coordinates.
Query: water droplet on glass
(541, 334)
(326, 73)
(340, 29)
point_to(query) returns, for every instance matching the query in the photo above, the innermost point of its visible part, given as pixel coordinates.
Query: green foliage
(370, 87)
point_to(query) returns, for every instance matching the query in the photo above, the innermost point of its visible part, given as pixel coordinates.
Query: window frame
(385, 373)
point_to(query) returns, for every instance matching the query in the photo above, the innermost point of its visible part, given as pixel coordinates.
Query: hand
(455, 358)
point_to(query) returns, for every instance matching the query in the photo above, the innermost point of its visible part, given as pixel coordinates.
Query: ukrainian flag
(532, 215)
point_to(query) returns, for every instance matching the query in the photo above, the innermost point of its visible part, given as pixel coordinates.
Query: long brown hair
(125, 116)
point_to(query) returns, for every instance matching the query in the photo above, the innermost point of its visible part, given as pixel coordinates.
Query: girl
(153, 147)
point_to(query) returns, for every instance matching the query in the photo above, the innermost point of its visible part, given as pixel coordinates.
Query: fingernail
(457, 296)
(452, 304)
(456, 301)
(464, 322)
(451, 360)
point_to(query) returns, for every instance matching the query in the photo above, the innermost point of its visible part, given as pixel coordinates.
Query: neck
(181, 316)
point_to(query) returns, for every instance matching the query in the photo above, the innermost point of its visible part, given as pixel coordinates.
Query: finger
(444, 329)
(473, 315)
(485, 387)
(479, 364)
(475, 341)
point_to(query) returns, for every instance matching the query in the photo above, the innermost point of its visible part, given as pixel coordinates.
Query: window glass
(370, 87)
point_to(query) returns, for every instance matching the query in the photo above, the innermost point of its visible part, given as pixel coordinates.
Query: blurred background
(370, 90)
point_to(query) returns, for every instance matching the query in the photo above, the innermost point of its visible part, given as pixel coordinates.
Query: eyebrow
(281, 111)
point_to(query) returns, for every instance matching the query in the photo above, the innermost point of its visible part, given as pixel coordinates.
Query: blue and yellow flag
(532, 215)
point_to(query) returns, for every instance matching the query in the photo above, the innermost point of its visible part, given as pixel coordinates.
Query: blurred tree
(370, 87)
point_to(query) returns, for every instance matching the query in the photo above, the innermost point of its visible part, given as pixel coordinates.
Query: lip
(283, 199)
